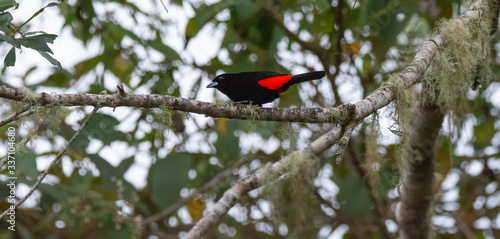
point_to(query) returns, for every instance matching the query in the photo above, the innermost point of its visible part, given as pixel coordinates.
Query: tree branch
(346, 135)
(414, 212)
(233, 195)
(337, 52)
(342, 114)
(15, 116)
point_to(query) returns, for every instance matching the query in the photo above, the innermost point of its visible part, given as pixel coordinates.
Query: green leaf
(353, 197)
(122, 231)
(125, 165)
(102, 127)
(381, 17)
(243, 10)
(54, 192)
(26, 164)
(38, 42)
(6, 4)
(483, 133)
(50, 59)
(167, 177)
(108, 172)
(120, 65)
(10, 40)
(10, 58)
(85, 66)
(228, 144)
(169, 53)
(204, 14)
(60, 78)
(5, 19)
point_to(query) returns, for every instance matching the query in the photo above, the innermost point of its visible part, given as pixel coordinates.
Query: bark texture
(414, 210)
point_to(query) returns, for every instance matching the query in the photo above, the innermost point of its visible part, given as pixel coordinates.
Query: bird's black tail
(306, 77)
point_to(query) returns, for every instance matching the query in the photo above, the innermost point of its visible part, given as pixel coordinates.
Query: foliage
(36, 40)
(130, 164)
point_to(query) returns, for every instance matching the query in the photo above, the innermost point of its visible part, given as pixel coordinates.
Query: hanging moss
(296, 187)
(373, 158)
(16, 106)
(285, 132)
(163, 120)
(53, 117)
(458, 65)
(402, 106)
(48, 116)
(401, 116)
(250, 112)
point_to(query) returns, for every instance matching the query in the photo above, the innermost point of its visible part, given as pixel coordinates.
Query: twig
(463, 227)
(483, 157)
(344, 141)
(54, 162)
(121, 90)
(15, 116)
(214, 181)
(337, 52)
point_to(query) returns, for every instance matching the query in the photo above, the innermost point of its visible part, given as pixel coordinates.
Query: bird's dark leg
(245, 102)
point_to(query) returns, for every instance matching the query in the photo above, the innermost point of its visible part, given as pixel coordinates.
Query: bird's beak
(212, 84)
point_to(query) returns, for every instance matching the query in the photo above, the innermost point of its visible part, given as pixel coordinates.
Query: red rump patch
(275, 82)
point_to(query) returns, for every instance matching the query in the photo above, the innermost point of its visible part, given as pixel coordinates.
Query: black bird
(258, 87)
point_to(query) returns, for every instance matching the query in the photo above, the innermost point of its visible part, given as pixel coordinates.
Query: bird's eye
(219, 79)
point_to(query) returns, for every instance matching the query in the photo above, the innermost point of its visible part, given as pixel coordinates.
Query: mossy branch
(346, 135)
(232, 195)
(456, 67)
(343, 114)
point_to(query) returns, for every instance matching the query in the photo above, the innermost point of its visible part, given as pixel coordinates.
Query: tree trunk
(414, 210)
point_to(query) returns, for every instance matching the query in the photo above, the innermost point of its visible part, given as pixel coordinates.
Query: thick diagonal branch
(233, 195)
